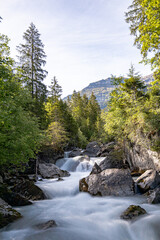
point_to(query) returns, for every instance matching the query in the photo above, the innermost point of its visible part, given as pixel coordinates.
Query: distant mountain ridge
(103, 88)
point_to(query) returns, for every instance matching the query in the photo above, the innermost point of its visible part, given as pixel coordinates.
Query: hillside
(102, 89)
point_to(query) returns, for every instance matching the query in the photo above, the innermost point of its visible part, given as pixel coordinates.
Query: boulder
(149, 180)
(7, 214)
(92, 149)
(29, 190)
(75, 152)
(154, 196)
(46, 225)
(111, 162)
(116, 182)
(132, 212)
(12, 198)
(49, 170)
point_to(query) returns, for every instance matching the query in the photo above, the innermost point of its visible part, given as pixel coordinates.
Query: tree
(31, 60)
(144, 19)
(55, 90)
(19, 131)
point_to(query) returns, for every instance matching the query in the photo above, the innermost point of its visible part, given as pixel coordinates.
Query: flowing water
(79, 216)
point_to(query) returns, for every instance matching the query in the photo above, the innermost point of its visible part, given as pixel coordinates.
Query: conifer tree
(31, 62)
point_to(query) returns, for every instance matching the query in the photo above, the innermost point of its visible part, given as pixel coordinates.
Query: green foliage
(82, 140)
(87, 114)
(19, 132)
(56, 136)
(144, 19)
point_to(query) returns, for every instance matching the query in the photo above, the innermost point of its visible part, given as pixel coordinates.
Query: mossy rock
(132, 212)
(7, 214)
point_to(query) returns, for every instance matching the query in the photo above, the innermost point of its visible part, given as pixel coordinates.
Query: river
(79, 216)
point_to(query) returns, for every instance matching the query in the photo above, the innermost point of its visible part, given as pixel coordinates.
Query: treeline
(32, 117)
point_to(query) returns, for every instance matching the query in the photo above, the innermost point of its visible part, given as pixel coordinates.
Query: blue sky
(85, 40)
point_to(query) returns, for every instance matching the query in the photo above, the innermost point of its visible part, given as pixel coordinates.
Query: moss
(132, 211)
(10, 216)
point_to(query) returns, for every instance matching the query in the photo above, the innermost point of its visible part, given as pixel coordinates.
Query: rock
(12, 198)
(48, 155)
(29, 190)
(7, 214)
(149, 180)
(46, 225)
(154, 196)
(92, 149)
(96, 169)
(105, 149)
(116, 182)
(139, 157)
(132, 212)
(49, 170)
(75, 152)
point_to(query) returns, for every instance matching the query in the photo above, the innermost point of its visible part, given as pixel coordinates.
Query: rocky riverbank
(113, 176)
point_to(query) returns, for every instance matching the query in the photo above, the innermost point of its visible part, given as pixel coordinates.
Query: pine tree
(31, 62)
(55, 90)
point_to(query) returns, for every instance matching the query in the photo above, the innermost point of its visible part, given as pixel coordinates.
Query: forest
(33, 117)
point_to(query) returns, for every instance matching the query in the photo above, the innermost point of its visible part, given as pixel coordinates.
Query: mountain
(102, 89)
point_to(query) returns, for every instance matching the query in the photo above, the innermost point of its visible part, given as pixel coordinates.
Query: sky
(85, 40)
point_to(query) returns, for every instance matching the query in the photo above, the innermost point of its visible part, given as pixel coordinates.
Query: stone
(46, 225)
(139, 157)
(96, 169)
(115, 182)
(132, 212)
(154, 196)
(105, 149)
(29, 190)
(7, 214)
(49, 170)
(92, 149)
(75, 152)
(12, 198)
(149, 180)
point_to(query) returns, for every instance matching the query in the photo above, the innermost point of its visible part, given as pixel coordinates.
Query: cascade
(79, 215)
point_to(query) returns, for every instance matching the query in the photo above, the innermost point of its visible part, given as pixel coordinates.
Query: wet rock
(46, 225)
(149, 180)
(116, 182)
(92, 149)
(49, 170)
(12, 198)
(154, 196)
(75, 152)
(96, 169)
(132, 212)
(29, 190)
(7, 214)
